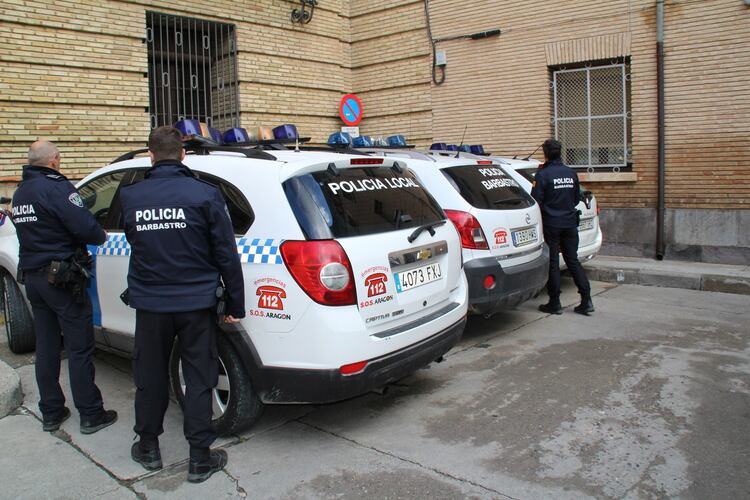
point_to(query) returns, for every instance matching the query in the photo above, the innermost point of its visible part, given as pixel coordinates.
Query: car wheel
(236, 405)
(19, 326)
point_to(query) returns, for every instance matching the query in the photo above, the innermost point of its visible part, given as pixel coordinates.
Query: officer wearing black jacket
(557, 191)
(53, 229)
(182, 242)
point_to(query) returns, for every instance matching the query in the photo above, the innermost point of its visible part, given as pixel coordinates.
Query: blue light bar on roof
(398, 141)
(465, 148)
(363, 141)
(234, 135)
(379, 142)
(438, 146)
(339, 139)
(451, 147)
(188, 127)
(216, 135)
(285, 132)
(477, 149)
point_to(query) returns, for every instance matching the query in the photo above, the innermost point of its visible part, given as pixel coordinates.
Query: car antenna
(532, 154)
(458, 153)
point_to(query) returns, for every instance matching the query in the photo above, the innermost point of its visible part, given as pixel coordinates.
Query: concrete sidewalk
(670, 273)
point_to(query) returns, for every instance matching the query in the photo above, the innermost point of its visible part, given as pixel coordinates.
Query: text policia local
(372, 184)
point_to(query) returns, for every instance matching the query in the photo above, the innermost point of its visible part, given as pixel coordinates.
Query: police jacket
(557, 192)
(51, 221)
(181, 241)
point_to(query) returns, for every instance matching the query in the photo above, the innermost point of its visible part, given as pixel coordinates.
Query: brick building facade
(77, 72)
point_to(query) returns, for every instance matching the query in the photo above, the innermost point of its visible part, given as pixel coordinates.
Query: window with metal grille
(591, 116)
(192, 71)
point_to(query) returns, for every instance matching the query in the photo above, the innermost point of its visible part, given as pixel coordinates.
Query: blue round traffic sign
(350, 110)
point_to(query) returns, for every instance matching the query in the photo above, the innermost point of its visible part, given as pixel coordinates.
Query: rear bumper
(514, 285)
(285, 385)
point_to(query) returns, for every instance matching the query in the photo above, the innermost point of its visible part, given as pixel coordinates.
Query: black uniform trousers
(55, 310)
(565, 241)
(154, 336)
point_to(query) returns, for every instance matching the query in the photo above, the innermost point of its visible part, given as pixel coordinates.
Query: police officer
(52, 225)
(557, 192)
(182, 242)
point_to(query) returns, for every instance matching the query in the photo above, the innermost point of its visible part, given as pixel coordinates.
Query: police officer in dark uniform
(182, 242)
(53, 229)
(557, 191)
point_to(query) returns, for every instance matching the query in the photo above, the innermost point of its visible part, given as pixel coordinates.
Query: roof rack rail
(203, 148)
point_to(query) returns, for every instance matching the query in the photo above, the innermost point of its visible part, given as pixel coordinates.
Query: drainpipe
(660, 210)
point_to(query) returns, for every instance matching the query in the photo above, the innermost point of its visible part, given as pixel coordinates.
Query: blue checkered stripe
(259, 251)
(116, 244)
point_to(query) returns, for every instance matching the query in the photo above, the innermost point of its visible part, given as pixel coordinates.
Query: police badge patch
(75, 199)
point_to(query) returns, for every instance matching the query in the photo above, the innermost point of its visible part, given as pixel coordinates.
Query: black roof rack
(204, 147)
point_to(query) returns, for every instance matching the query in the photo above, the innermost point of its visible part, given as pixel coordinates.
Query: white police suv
(353, 276)
(505, 257)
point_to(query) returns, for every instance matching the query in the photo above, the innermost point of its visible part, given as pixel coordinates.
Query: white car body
(519, 268)
(589, 231)
(295, 351)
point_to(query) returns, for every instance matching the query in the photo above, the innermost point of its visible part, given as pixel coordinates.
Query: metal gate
(591, 116)
(192, 71)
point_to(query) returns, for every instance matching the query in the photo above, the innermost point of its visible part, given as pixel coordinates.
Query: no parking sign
(350, 110)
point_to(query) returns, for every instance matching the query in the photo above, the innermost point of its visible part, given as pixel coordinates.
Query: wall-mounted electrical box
(440, 58)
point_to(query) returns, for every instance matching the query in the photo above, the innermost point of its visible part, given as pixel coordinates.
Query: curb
(671, 279)
(11, 396)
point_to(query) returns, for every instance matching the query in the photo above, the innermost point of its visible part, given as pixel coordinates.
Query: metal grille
(192, 71)
(591, 116)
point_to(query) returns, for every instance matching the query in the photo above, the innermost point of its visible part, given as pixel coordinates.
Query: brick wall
(73, 71)
(499, 87)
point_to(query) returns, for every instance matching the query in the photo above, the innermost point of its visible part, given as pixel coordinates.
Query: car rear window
(488, 187)
(359, 201)
(527, 173)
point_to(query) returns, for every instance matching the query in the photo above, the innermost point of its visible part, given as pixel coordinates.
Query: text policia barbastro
(161, 218)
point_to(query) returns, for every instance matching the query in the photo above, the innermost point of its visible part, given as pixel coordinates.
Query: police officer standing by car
(182, 243)
(53, 229)
(557, 191)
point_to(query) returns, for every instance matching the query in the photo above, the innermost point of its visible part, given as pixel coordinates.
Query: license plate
(524, 236)
(406, 280)
(586, 224)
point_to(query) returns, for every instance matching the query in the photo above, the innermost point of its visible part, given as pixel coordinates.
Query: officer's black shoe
(200, 470)
(51, 425)
(585, 307)
(91, 425)
(148, 456)
(551, 307)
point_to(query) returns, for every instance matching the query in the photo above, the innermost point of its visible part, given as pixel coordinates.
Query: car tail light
(598, 210)
(366, 161)
(353, 368)
(322, 269)
(472, 236)
(484, 162)
(489, 282)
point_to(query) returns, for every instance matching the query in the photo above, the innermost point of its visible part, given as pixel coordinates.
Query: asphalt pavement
(649, 397)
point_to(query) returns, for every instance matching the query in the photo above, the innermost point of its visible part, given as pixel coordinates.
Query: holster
(73, 273)
(221, 304)
(20, 275)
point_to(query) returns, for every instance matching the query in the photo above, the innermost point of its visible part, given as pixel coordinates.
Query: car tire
(234, 410)
(19, 326)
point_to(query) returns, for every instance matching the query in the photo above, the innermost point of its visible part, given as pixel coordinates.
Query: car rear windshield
(488, 187)
(527, 173)
(359, 201)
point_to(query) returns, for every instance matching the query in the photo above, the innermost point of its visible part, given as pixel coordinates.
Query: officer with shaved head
(53, 228)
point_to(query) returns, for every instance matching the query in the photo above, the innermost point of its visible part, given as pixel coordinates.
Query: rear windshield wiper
(508, 201)
(429, 227)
